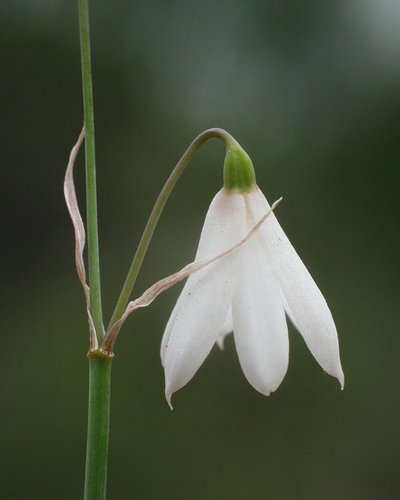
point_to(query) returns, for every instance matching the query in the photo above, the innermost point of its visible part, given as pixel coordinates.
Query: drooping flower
(248, 292)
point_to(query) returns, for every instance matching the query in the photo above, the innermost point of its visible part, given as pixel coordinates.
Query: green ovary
(238, 169)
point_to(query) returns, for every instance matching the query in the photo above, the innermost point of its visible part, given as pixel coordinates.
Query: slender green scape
(90, 161)
(99, 368)
(98, 428)
(159, 205)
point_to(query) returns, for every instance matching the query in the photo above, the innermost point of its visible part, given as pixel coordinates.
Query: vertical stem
(91, 194)
(98, 428)
(99, 368)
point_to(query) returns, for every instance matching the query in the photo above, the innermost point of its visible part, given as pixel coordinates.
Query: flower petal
(203, 304)
(304, 302)
(259, 321)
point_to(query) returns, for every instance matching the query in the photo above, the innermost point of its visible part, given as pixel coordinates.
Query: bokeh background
(311, 90)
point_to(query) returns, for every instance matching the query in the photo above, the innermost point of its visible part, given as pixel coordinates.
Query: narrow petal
(203, 304)
(304, 302)
(259, 321)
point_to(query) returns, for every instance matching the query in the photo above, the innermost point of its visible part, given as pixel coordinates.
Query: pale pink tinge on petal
(203, 304)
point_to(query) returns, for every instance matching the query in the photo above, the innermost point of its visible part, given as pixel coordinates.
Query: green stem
(99, 367)
(156, 212)
(91, 194)
(98, 428)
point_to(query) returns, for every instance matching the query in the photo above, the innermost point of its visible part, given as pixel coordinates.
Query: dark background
(311, 91)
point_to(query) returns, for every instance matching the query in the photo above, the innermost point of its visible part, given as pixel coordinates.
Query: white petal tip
(168, 396)
(263, 391)
(266, 388)
(339, 375)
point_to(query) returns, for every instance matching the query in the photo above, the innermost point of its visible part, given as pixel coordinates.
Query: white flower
(248, 292)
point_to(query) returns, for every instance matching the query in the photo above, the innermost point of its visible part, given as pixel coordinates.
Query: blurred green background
(311, 90)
